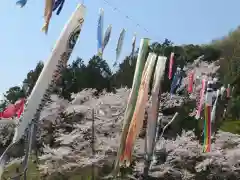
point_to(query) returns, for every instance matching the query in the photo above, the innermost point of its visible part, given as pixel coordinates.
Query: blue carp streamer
(106, 37)
(58, 5)
(100, 33)
(177, 80)
(21, 3)
(119, 45)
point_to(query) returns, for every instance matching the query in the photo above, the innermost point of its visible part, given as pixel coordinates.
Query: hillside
(65, 127)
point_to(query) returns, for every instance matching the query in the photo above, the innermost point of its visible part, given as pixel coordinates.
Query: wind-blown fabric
(177, 79)
(132, 99)
(9, 111)
(13, 109)
(133, 48)
(119, 45)
(213, 113)
(199, 108)
(47, 14)
(21, 3)
(58, 5)
(190, 82)
(100, 33)
(154, 105)
(207, 121)
(106, 37)
(222, 91)
(138, 116)
(170, 69)
(228, 91)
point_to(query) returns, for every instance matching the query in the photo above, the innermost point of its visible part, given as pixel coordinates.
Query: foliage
(97, 73)
(231, 126)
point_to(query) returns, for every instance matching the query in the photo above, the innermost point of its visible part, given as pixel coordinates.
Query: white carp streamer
(153, 109)
(47, 79)
(213, 113)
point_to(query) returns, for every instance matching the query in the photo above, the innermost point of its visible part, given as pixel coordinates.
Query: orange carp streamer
(138, 115)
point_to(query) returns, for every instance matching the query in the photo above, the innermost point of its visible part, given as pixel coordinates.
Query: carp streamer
(228, 91)
(100, 33)
(21, 3)
(176, 82)
(143, 49)
(47, 79)
(138, 116)
(207, 121)
(170, 69)
(47, 14)
(133, 48)
(213, 113)
(106, 37)
(190, 82)
(199, 108)
(154, 106)
(119, 45)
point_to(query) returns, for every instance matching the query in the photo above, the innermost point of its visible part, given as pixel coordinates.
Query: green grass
(231, 126)
(32, 173)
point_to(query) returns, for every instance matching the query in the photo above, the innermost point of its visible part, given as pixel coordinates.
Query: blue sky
(182, 21)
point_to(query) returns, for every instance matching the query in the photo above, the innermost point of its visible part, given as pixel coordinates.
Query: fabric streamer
(100, 33)
(222, 91)
(207, 121)
(176, 81)
(119, 45)
(199, 108)
(170, 69)
(213, 113)
(228, 91)
(143, 49)
(190, 82)
(9, 112)
(47, 15)
(106, 37)
(13, 109)
(58, 5)
(19, 105)
(21, 3)
(153, 108)
(46, 80)
(138, 116)
(133, 48)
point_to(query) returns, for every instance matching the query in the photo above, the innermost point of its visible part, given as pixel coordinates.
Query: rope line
(114, 8)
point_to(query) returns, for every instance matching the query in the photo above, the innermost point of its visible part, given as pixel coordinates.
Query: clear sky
(182, 21)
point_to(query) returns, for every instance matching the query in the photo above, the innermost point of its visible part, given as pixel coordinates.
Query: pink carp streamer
(199, 108)
(190, 82)
(170, 69)
(138, 115)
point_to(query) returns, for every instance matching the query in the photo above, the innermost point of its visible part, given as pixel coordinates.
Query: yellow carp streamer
(47, 14)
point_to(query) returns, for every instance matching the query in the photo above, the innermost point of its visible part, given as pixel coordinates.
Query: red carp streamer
(13, 109)
(228, 91)
(171, 61)
(190, 82)
(207, 129)
(199, 108)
